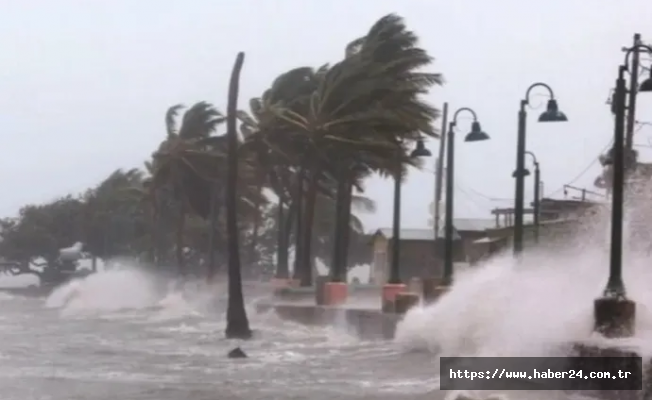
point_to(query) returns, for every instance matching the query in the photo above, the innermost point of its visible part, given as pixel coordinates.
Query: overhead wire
(472, 198)
(554, 192)
(588, 167)
(583, 172)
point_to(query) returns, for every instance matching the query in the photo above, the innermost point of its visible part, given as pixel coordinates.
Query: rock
(237, 353)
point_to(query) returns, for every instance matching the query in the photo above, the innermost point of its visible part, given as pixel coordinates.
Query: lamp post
(552, 114)
(475, 135)
(394, 284)
(537, 197)
(615, 314)
(394, 272)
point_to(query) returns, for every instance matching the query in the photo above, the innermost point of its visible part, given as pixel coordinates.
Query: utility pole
(439, 172)
(633, 89)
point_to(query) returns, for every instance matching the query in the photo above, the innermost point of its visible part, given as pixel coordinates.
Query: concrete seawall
(363, 323)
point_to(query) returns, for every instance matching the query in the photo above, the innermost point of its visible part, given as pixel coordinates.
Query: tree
(323, 232)
(346, 121)
(38, 233)
(182, 166)
(281, 159)
(237, 324)
(114, 220)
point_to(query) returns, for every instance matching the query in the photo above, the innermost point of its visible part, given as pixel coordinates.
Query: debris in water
(237, 353)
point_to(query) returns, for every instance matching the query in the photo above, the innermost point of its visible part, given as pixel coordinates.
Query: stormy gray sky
(84, 84)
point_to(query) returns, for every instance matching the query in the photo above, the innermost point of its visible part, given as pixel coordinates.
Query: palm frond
(171, 119)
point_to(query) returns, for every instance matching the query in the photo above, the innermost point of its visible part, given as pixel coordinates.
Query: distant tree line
(115, 219)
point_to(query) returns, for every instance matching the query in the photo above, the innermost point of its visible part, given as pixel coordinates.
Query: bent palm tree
(181, 165)
(364, 111)
(237, 324)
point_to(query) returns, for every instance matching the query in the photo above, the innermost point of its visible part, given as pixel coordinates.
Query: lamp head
(524, 172)
(476, 134)
(646, 86)
(421, 150)
(552, 113)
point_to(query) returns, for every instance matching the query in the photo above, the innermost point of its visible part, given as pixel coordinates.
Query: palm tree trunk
(237, 324)
(282, 267)
(309, 214)
(157, 230)
(212, 233)
(284, 247)
(298, 240)
(337, 267)
(346, 228)
(253, 252)
(180, 256)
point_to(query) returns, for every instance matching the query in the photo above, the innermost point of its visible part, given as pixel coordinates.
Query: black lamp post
(395, 272)
(552, 114)
(475, 135)
(537, 186)
(614, 313)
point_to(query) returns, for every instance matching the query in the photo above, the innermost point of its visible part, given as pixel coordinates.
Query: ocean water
(124, 334)
(118, 334)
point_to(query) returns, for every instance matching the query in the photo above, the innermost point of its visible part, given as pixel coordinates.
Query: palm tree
(361, 112)
(237, 324)
(279, 158)
(183, 166)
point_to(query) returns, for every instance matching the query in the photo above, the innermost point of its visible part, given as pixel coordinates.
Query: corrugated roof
(473, 224)
(488, 240)
(460, 224)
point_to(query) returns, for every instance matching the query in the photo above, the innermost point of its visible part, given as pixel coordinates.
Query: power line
(584, 171)
(554, 192)
(470, 198)
(490, 198)
(479, 194)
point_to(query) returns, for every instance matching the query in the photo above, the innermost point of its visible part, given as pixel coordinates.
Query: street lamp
(394, 284)
(475, 135)
(615, 314)
(646, 86)
(537, 187)
(552, 114)
(395, 274)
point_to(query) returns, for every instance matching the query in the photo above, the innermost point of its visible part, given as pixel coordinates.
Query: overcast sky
(84, 84)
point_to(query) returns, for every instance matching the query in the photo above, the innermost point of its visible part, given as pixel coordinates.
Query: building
(420, 254)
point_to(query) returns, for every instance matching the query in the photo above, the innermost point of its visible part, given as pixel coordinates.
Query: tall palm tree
(290, 91)
(182, 165)
(363, 111)
(265, 137)
(237, 324)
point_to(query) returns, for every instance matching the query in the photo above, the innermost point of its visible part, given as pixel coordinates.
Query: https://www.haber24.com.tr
(500, 373)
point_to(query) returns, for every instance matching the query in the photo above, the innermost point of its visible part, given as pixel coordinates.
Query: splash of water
(131, 289)
(534, 307)
(111, 290)
(6, 297)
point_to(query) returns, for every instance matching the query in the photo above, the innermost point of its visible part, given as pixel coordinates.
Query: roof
(488, 240)
(559, 221)
(473, 224)
(460, 225)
